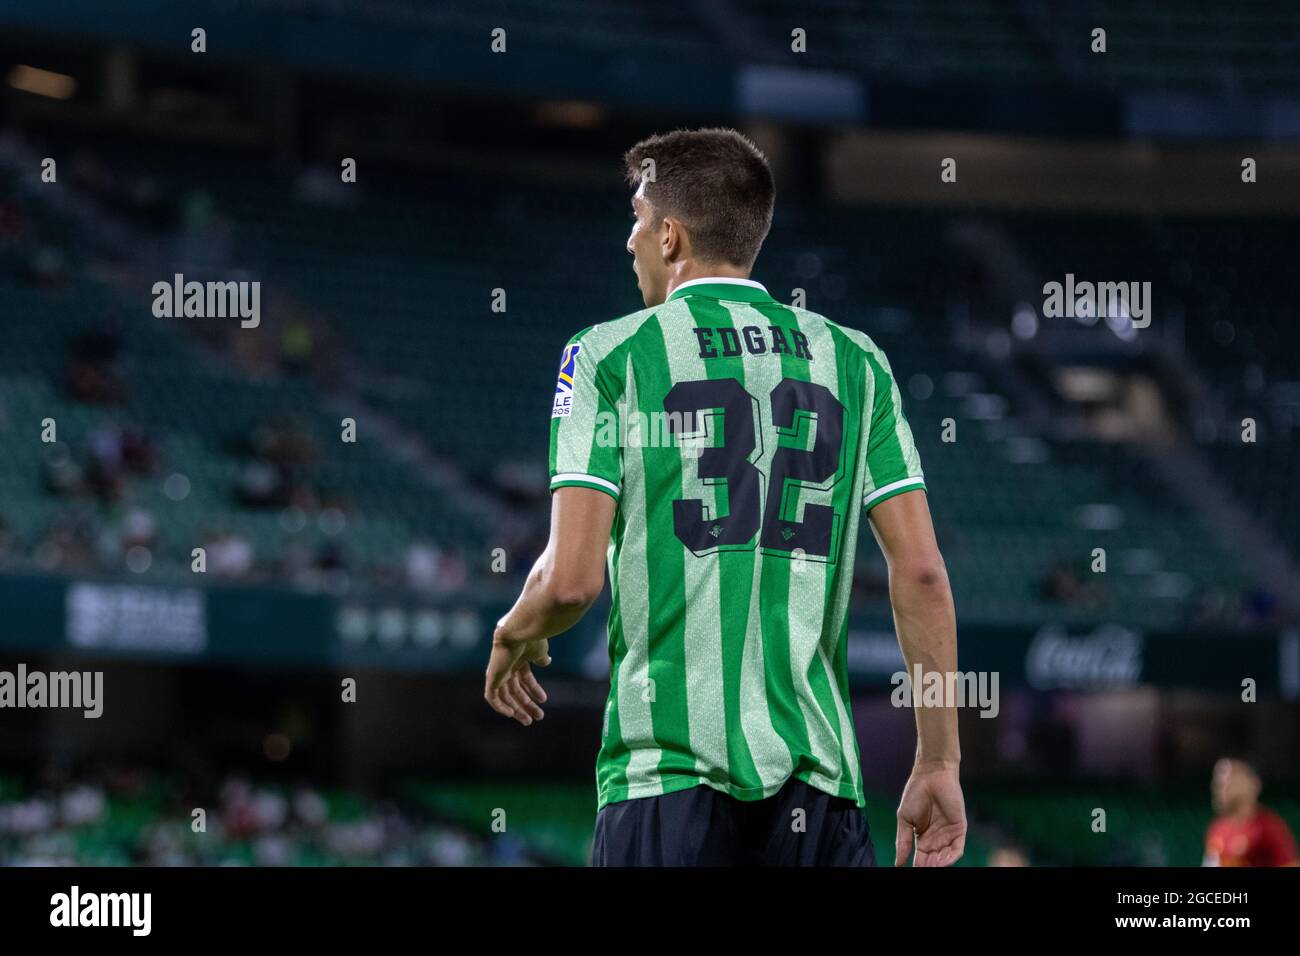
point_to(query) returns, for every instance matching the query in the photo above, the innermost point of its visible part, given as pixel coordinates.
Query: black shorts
(704, 827)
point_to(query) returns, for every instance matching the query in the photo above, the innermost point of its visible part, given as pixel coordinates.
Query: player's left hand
(511, 689)
(931, 815)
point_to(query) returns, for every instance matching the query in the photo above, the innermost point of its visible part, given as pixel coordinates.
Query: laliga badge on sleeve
(563, 405)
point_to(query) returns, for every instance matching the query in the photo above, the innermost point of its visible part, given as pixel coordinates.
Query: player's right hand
(510, 687)
(933, 813)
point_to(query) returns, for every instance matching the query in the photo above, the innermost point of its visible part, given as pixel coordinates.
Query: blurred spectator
(1245, 833)
(260, 486)
(1008, 854)
(138, 452)
(131, 818)
(106, 473)
(274, 477)
(68, 545)
(283, 442)
(138, 529)
(452, 574)
(93, 375)
(1061, 585)
(296, 343)
(229, 555)
(422, 562)
(60, 473)
(133, 527)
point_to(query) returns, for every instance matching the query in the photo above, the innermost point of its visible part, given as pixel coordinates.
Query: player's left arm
(562, 586)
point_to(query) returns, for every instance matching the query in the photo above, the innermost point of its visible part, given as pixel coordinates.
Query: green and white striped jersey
(743, 440)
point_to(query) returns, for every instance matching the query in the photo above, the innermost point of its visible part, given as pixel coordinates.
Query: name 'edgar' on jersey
(743, 440)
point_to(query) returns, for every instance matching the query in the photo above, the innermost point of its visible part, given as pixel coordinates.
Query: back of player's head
(716, 182)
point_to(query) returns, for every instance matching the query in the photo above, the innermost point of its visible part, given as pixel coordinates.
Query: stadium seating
(1201, 48)
(144, 818)
(404, 274)
(420, 295)
(194, 405)
(1222, 281)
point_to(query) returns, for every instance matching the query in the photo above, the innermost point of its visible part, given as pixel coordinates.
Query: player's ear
(672, 240)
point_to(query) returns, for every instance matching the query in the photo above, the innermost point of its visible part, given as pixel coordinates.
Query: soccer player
(719, 449)
(1245, 833)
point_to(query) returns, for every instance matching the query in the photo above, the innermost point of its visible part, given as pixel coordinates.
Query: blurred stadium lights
(800, 95)
(573, 114)
(33, 79)
(1024, 321)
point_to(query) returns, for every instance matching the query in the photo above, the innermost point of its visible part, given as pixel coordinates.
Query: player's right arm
(586, 477)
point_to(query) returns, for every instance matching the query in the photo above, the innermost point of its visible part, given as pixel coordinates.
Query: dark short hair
(716, 182)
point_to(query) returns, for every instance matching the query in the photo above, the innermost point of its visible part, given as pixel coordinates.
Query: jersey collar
(733, 290)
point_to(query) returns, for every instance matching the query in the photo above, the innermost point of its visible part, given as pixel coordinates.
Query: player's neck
(690, 270)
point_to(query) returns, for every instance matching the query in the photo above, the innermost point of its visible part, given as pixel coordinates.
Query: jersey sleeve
(893, 465)
(585, 450)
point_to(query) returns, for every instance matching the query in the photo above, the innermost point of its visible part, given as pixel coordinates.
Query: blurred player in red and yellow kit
(1245, 833)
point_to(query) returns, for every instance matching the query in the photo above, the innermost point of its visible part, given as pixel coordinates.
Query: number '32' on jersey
(743, 440)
